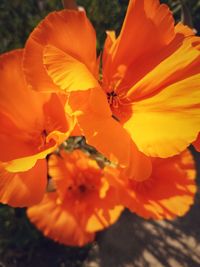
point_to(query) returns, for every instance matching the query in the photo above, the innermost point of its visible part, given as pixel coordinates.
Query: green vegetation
(19, 17)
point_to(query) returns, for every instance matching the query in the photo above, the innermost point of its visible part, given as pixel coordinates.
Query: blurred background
(132, 241)
(19, 17)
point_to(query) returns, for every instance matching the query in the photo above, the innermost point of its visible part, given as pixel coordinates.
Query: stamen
(114, 117)
(111, 98)
(44, 133)
(43, 136)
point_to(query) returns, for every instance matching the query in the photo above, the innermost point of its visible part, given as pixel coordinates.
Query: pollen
(80, 188)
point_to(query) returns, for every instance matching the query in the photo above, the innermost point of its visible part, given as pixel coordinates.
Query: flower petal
(31, 127)
(55, 222)
(21, 110)
(68, 73)
(25, 163)
(23, 188)
(178, 61)
(99, 221)
(13, 141)
(60, 29)
(168, 193)
(165, 124)
(15, 97)
(110, 39)
(144, 19)
(105, 133)
(100, 129)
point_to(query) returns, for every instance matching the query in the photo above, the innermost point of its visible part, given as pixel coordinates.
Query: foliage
(19, 17)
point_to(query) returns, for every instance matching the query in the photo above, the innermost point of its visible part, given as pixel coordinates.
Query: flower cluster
(138, 104)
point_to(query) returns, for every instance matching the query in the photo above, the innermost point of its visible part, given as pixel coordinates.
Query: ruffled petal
(57, 223)
(156, 88)
(168, 193)
(99, 220)
(177, 61)
(62, 30)
(22, 189)
(165, 124)
(144, 19)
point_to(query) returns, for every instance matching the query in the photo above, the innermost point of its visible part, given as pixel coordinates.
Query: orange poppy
(149, 88)
(157, 88)
(78, 72)
(31, 128)
(167, 193)
(82, 204)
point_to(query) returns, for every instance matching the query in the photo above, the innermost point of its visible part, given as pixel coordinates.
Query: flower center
(113, 99)
(120, 106)
(77, 189)
(82, 188)
(42, 141)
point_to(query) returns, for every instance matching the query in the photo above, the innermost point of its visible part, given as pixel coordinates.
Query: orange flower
(167, 193)
(151, 76)
(52, 63)
(31, 128)
(82, 204)
(150, 79)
